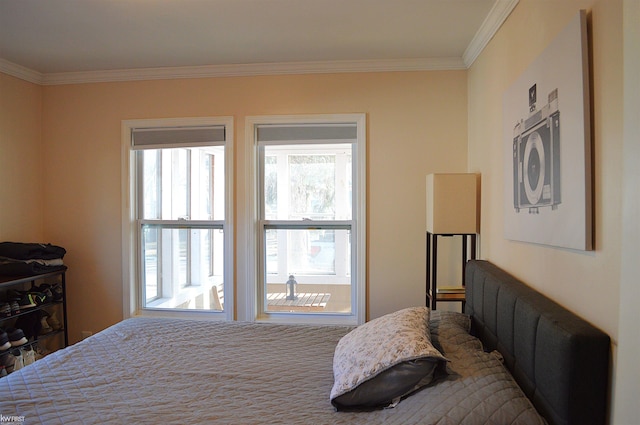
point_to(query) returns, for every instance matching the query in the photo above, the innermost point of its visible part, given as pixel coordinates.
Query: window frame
(131, 243)
(254, 267)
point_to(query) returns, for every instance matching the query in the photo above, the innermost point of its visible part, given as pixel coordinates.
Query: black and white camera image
(536, 156)
(547, 194)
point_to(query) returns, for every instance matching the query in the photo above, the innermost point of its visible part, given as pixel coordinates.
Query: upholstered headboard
(559, 360)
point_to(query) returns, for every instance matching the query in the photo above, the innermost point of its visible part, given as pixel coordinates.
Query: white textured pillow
(394, 350)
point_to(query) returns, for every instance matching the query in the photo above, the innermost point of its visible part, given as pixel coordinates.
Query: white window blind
(160, 138)
(306, 133)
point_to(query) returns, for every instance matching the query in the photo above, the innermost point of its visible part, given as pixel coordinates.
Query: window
(301, 202)
(310, 217)
(179, 193)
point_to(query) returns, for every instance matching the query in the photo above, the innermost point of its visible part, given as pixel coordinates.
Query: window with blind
(180, 186)
(310, 225)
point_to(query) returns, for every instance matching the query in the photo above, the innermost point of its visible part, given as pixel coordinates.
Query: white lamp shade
(452, 203)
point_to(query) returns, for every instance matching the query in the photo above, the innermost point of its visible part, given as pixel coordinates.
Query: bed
(149, 370)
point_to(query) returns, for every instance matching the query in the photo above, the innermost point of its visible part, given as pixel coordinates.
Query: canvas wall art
(547, 146)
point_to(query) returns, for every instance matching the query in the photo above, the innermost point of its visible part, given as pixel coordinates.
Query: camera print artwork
(536, 156)
(547, 147)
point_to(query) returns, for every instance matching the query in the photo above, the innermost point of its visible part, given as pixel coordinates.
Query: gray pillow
(388, 358)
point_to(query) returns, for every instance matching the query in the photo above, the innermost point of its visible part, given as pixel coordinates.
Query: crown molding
(240, 70)
(208, 71)
(21, 72)
(497, 15)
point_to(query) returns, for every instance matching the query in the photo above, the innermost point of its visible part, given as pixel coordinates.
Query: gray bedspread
(160, 371)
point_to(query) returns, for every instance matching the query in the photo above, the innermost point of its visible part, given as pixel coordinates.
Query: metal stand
(468, 252)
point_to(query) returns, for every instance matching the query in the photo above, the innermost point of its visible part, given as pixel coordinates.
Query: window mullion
(178, 224)
(308, 224)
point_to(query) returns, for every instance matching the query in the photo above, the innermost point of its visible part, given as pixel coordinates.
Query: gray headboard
(560, 361)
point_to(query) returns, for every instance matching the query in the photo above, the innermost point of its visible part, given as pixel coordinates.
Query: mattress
(151, 371)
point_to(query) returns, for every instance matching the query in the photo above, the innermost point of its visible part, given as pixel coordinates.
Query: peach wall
(626, 408)
(416, 126)
(586, 282)
(21, 173)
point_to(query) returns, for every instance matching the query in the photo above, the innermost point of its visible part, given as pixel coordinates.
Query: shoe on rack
(18, 363)
(56, 290)
(14, 294)
(16, 337)
(5, 310)
(7, 360)
(48, 295)
(15, 307)
(28, 356)
(24, 299)
(44, 328)
(54, 322)
(42, 293)
(38, 298)
(4, 341)
(41, 352)
(27, 301)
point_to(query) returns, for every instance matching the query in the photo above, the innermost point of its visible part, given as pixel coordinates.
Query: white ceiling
(49, 39)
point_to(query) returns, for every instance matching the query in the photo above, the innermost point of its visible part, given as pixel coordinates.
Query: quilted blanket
(160, 371)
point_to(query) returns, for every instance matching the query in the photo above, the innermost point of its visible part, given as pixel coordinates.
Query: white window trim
(249, 309)
(131, 297)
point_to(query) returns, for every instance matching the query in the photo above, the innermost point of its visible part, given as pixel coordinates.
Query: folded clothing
(23, 268)
(25, 259)
(31, 251)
